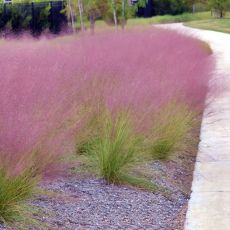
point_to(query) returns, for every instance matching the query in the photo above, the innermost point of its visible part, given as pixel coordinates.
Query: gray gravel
(91, 204)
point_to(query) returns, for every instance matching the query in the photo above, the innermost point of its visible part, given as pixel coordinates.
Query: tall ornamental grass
(51, 88)
(115, 145)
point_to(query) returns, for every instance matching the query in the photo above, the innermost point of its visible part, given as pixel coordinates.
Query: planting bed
(109, 122)
(81, 201)
(85, 202)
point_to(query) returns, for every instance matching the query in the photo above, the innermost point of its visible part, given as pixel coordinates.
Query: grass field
(186, 17)
(220, 25)
(202, 20)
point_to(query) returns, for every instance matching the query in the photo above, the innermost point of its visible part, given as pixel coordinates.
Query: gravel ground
(91, 204)
(83, 202)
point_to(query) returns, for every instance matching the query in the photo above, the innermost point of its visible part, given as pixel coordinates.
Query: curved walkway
(209, 205)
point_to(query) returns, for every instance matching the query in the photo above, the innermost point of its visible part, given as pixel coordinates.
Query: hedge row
(36, 17)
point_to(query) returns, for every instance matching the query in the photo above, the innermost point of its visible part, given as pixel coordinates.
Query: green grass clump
(14, 192)
(113, 146)
(172, 126)
(116, 146)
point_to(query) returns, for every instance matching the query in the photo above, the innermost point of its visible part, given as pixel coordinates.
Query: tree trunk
(80, 8)
(92, 24)
(123, 14)
(221, 13)
(193, 8)
(114, 13)
(71, 16)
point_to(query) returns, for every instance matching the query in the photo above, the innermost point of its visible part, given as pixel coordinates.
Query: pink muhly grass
(46, 84)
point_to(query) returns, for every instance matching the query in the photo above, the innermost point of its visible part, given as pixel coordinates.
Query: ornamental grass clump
(15, 190)
(114, 148)
(171, 131)
(114, 145)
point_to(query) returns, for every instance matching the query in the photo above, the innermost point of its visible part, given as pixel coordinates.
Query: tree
(71, 14)
(173, 7)
(80, 9)
(219, 6)
(113, 3)
(123, 14)
(192, 4)
(94, 9)
(123, 9)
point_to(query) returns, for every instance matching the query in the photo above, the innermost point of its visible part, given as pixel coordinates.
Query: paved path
(209, 205)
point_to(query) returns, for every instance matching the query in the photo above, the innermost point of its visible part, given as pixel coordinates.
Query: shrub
(34, 16)
(170, 7)
(20, 19)
(5, 16)
(40, 20)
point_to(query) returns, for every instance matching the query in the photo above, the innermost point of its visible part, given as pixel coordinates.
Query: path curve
(209, 205)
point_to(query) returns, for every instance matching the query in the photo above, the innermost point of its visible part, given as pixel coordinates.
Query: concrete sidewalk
(209, 205)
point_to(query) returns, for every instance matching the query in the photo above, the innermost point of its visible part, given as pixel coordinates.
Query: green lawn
(220, 25)
(186, 17)
(202, 20)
